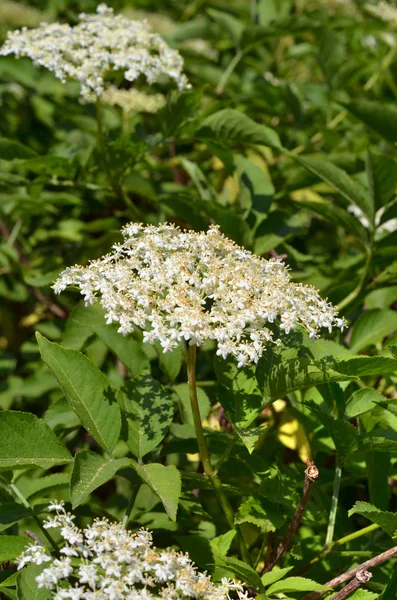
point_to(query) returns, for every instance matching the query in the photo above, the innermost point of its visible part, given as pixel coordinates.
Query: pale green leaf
(165, 482)
(27, 587)
(386, 520)
(295, 584)
(274, 575)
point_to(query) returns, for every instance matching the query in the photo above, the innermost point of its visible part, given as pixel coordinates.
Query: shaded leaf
(371, 327)
(148, 410)
(26, 440)
(386, 520)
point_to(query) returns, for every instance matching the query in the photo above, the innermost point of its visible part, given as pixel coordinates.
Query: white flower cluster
(183, 285)
(130, 100)
(99, 44)
(106, 562)
(383, 10)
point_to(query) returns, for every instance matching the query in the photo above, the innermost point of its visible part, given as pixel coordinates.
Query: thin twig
(311, 475)
(368, 564)
(360, 578)
(33, 536)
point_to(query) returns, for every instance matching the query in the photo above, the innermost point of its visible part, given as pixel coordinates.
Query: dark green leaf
(26, 440)
(87, 390)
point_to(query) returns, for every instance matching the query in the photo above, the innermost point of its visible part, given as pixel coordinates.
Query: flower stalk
(203, 449)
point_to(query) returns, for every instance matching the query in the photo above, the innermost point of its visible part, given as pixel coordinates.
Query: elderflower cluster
(183, 285)
(131, 100)
(383, 10)
(104, 561)
(99, 44)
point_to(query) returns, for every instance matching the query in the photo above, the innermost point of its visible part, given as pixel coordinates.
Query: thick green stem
(14, 490)
(114, 184)
(203, 450)
(334, 504)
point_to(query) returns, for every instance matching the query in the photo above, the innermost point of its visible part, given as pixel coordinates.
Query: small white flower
(183, 285)
(99, 44)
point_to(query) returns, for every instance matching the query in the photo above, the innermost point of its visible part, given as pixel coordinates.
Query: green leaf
(339, 180)
(231, 125)
(250, 436)
(380, 440)
(88, 320)
(221, 544)
(274, 575)
(11, 512)
(381, 297)
(238, 392)
(148, 410)
(11, 546)
(170, 362)
(386, 520)
(26, 440)
(257, 182)
(262, 513)
(87, 390)
(378, 471)
(199, 550)
(11, 150)
(243, 572)
(182, 391)
(380, 116)
(362, 366)
(343, 434)
(331, 212)
(90, 471)
(233, 26)
(390, 591)
(165, 482)
(50, 165)
(9, 581)
(27, 588)
(371, 327)
(362, 401)
(279, 377)
(382, 178)
(181, 107)
(295, 584)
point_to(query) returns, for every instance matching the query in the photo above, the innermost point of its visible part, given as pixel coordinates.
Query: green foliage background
(290, 121)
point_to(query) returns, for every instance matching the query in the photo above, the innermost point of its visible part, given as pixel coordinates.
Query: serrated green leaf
(165, 482)
(221, 544)
(339, 180)
(386, 520)
(362, 401)
(11, 546)
(90, 471)
(148, 410)
(27, 587)
(260, 513)
(343, 434)
(295, 584)
(362, 366)
(243, 572)
(230, 125)
(371, 327)
(274, 575)
(90, 320)
(87, 390)
(250, 436)
(26, 440)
